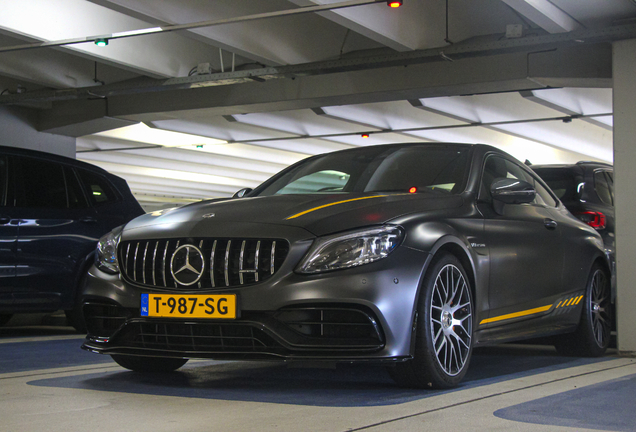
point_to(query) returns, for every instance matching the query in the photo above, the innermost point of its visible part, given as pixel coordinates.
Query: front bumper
(362, 313)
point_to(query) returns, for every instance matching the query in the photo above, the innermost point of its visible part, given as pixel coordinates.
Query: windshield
(400, 169)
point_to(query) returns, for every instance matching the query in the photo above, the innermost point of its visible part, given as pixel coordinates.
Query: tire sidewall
(425, 350)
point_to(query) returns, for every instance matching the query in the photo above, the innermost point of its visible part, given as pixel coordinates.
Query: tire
(443, 340)
(148, 364)
(4, 318)
(592, 336)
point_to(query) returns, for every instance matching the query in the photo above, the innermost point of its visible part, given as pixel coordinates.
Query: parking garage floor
(47, 383)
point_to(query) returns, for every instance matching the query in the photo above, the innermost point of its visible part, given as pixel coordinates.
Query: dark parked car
(53, 210)
(587, 190)
(410, 255)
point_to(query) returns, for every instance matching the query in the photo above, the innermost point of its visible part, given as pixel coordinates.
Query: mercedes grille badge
(187, 265)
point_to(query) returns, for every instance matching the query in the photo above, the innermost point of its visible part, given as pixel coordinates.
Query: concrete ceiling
(227, 104)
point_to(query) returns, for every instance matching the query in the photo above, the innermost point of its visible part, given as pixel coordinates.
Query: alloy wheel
(600, 308)
(451, 320)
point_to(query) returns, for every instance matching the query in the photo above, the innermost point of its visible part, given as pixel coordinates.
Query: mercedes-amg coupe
(407, 254)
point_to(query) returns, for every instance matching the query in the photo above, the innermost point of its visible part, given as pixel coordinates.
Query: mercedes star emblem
(187, 265)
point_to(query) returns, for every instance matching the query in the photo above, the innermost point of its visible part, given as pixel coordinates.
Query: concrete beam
(545, 14)
(498, 73)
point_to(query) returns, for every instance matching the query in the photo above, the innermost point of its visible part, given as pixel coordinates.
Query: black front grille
(196, 337)
(224, 263)
(104, 319)
(332, 324)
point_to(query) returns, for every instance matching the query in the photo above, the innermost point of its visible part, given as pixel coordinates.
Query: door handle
(550, 224)
(88, 219)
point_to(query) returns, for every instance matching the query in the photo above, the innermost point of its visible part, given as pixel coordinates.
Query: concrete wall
(624, 67)
(17, 130)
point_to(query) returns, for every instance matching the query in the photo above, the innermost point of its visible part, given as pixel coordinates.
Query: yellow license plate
(189, 306)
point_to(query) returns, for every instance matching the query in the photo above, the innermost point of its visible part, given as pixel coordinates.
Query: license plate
(189, 306)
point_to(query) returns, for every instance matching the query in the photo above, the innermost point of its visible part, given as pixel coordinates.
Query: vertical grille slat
(227, 262)
(212, 264)
(163, 264)
(154, 264)
(143, 263)
(242, 262)
(258, 249)
(272, 259)
(135, 262)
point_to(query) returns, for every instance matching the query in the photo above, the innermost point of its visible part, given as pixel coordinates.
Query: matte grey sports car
(405, 254)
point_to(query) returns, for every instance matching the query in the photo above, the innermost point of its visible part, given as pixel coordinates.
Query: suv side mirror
(512, 191)
(242, 193)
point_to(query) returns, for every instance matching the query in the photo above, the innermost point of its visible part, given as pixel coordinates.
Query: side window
(544, 194)
(76, 198)
(602, 188)
(497, 167)
(41, 184)
(99, 189)
(610, 183)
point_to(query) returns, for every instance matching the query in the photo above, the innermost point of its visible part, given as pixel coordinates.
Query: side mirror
(512, 191)
(242, 193)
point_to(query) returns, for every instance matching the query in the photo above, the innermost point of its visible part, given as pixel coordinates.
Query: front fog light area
(351, 249)
(106, 256)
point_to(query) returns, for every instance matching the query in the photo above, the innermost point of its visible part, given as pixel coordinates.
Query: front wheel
(148, 364)
(592, 336)
(443, 344)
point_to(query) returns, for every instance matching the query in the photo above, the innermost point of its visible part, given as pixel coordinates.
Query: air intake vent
(200, 263)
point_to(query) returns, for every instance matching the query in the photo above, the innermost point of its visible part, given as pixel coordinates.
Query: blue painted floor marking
(607, 406)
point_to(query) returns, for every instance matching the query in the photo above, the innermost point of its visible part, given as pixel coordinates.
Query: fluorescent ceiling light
(143, 134)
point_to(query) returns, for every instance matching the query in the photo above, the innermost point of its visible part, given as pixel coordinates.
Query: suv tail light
(594, 219)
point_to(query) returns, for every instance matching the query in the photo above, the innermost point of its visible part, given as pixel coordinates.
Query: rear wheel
(592, 337)
(444, 329)
(148, 364)
(4, 318)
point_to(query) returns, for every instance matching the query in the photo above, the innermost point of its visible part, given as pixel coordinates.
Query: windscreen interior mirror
(512, 191)
(242, 193)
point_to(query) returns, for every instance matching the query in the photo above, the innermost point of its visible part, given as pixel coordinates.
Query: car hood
(317, 214)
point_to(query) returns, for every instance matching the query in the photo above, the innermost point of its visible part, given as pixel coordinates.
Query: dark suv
(53, 210)
(587, 190)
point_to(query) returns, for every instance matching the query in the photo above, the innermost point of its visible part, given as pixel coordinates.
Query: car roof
(53, 157)
(584, 164)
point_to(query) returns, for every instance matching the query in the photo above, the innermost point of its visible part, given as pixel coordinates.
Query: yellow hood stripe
(333, 204)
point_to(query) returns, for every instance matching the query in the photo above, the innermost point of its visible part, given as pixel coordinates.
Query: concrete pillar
(624, 74)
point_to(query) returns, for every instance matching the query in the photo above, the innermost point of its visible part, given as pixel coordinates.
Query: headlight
(106, 256)
(351, 249)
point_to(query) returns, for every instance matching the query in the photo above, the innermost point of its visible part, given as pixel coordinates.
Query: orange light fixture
(394, 3)
(413, 190)
(365, 135)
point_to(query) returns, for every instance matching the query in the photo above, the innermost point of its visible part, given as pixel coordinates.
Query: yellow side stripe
(333, 204)
(517, 314)
(578, 300)
(557, 306)
(569, 302)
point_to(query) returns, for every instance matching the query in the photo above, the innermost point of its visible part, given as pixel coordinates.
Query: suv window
(602, 188)
(100, 191)
(42, 184)
(76, 198)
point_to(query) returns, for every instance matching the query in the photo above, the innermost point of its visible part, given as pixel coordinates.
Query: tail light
(596, 220)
